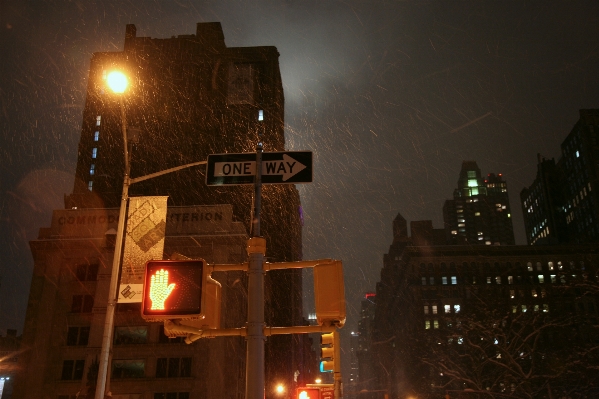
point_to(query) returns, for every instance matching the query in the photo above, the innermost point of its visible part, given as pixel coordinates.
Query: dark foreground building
(562, 204)
(189, 96)
(486, 321)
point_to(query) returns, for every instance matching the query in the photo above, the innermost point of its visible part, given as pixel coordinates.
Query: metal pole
(116, 263)
(337, 365)
(254, 366)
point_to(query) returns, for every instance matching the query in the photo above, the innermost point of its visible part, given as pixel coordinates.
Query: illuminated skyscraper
(479, 213)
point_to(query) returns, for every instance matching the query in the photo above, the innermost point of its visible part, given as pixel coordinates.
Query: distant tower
(562, 204)
(365, 327)
(479, 213)
(543, 205)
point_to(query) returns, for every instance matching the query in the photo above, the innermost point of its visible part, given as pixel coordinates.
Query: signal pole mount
(254, 369)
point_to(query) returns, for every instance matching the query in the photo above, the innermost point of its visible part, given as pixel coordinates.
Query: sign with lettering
(289, 167)
(144, 241)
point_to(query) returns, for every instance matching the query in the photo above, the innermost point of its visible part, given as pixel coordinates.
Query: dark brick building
(189, 96)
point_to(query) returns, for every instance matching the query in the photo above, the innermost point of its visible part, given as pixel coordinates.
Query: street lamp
(118, 82)
(280, 389)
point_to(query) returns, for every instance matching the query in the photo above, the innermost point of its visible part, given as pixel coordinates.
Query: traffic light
(174, 289)
(327, 352)
(308, 393)
(329, 294)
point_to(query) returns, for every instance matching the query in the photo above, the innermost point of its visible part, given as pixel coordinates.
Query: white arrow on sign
(287, 167)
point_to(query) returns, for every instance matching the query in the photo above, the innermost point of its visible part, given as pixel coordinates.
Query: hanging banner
(144, 241)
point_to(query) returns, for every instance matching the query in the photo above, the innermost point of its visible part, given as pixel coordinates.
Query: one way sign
(289, 167)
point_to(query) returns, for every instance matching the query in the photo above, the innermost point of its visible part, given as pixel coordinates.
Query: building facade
(479, 213)
(189, 96)
(543, 205)
(465, 320)
(562, 204)
(65, 316)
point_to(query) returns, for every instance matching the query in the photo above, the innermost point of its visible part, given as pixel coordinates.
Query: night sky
(391, 96)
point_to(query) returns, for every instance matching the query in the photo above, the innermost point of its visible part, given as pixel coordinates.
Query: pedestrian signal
(173, 289)
(308, 393)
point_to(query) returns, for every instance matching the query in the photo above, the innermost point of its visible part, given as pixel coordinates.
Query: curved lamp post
(118, 82)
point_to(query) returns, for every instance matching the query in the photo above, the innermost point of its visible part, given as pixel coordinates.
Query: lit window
(545, 308)
(94, 152)
(514, 309)
(510, 279)
(456, 308)
(536, 308)
(454, 232)
(435, 324)
(553, 278)
(523, 308)
(577, 154)
(512, 294)
(444, 280)
(541, 278)
(447, 308)
(90, 185)
(460, 340)
(475, 191)
(98, 120)
(551, 267)
(425, 309)
(434, 309)
(529, 266)
(96, 135)
(472, 183)
(427, 325)
(92, 169)
(533, 293)
(498, 279)
(487, 242)
(488, 280)
(454, 280)
(261, 115)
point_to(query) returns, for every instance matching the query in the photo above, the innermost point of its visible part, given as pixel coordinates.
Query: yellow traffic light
(329, 294)
(327, 353)
(173, 289)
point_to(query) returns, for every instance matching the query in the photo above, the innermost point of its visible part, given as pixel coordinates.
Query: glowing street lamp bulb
(117, 81)
(280, 388)
(318, 381)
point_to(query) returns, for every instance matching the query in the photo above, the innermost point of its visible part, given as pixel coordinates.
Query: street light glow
(117, 81)
(280, 389)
